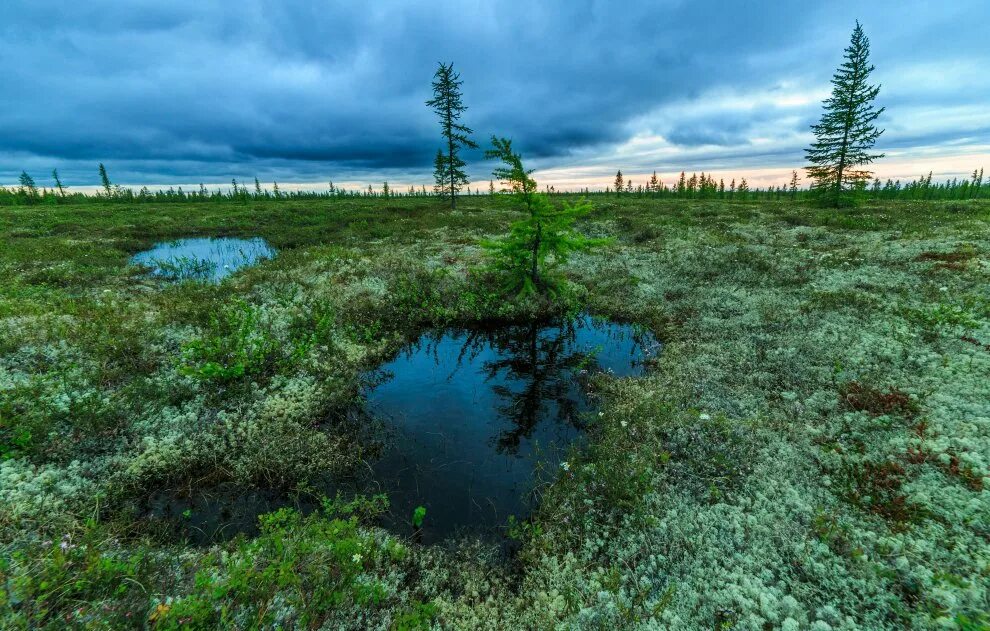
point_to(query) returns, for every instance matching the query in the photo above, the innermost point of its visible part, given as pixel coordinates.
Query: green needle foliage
(448, 171)
(58, 183)
(544, 239)
(846, 133)
(28, 185)
(105, 181)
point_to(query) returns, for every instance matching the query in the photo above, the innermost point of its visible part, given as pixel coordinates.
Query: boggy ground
(811, 452)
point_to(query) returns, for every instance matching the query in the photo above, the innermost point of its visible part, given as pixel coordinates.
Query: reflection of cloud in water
(474, 414)
(474, 421)
(203, 258)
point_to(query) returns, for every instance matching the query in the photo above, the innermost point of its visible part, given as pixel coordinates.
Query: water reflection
(475, 415)
(470, 421)
(205, 259)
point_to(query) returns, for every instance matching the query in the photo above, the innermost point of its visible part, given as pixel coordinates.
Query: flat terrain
(812, 450)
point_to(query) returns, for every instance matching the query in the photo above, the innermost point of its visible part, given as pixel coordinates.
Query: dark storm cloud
(184, 91)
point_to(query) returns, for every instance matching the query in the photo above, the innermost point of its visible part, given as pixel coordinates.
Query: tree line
(695, 186)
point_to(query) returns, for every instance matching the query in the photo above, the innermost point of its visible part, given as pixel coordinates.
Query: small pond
(478, 418)
(469, 423)
(208, 259)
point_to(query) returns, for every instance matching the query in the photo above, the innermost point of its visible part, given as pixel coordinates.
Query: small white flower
(566, 466)
(624, 423)
(705, 417)
(943, 289)
(356, 558)
(601, 414)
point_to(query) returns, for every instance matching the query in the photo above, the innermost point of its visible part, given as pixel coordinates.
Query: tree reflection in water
(475, 412)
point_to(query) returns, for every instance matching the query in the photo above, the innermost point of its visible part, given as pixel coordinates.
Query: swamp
(753, 414)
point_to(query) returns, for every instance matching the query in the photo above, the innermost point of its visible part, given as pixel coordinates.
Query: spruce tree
(447, 104)
(794, 184)
(743, 189)
(105, 180)
(654, 186)
(544, 239)
(27, 184)
(846, 133)
(58, 183)
(619, 183)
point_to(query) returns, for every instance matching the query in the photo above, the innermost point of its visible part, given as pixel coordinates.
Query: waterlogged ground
(469, 424)
(810, 451)
(209, 259)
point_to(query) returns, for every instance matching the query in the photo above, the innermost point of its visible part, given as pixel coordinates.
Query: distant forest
(695, 186)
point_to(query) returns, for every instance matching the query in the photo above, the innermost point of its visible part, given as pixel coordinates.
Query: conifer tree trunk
(450, 159)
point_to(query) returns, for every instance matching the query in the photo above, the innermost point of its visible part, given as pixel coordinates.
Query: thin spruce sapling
(105, 180)
(447, 103)
(541, 242)
(58, 183)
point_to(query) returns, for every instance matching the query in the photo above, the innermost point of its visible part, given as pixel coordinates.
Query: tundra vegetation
(810, 451)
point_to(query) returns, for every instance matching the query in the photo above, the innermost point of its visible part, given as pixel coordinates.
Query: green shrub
(77, 578)
(237, 345)
(297, 571)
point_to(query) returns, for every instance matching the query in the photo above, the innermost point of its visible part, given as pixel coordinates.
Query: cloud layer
(304, 91)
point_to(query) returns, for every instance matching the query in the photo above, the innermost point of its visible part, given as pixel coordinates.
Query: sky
(190, 91)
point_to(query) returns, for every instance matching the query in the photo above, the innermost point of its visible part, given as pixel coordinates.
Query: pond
(469, 423)
(479, 418)
(207, 259)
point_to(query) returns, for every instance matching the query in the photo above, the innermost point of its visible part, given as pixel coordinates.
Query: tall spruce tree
(447, 104)
(619, 183)
(846, 133)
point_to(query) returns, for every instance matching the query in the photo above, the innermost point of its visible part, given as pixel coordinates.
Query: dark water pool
(470, 422)
(208, 259)
(477, 419)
